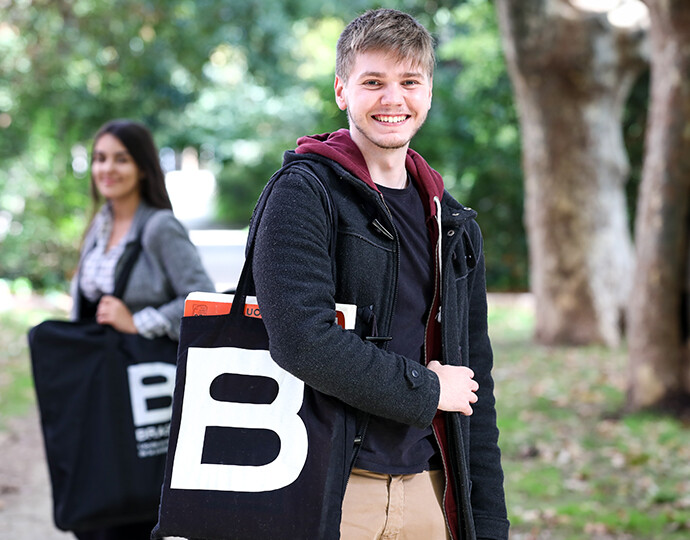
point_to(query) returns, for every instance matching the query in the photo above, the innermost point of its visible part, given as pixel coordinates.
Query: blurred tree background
(240, 82)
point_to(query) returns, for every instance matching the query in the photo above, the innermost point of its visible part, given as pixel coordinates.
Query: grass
(575, 467)
(19, 314)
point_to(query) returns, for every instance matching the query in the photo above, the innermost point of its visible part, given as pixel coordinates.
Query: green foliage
(67, 68)
(239, 82)
(216, 75)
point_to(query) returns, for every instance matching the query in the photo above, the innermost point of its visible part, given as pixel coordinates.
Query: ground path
(26, 511)
(25, 499)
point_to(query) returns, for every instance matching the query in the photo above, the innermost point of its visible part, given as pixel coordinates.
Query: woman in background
(128, 184)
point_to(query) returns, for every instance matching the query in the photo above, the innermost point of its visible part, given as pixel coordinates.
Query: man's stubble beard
(379, 145)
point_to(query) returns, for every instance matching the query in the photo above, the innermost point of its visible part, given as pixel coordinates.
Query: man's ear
(340, 98)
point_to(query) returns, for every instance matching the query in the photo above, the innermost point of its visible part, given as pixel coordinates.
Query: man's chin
(391, 146)
(390, 142)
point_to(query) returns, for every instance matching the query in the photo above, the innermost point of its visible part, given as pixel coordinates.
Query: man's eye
(371, 83)
(410, 83)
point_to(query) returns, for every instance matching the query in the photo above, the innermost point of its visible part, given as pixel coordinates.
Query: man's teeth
(391, 119)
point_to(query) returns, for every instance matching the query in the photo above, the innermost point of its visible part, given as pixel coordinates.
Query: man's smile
(388, 119)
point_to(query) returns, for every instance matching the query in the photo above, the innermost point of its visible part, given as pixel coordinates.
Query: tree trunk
(572, 71)
(659, 374)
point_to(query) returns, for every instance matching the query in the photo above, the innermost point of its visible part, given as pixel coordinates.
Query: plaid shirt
(98, 279)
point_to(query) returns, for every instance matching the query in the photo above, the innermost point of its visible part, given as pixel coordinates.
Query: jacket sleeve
(167, 241)
(296, 294)
(488, 499)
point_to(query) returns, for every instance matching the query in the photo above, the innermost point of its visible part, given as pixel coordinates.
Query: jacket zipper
(439, 257)
(437, 291)
(437, 278)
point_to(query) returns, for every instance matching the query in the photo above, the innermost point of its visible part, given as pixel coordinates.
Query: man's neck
(386, 166)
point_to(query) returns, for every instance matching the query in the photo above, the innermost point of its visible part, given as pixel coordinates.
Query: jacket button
(451, 233)
(456, 214)
(415, 373)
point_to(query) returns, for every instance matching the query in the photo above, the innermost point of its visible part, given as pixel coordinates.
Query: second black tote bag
(105, 402)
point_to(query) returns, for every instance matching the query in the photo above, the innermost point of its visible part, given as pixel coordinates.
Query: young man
(415, 375)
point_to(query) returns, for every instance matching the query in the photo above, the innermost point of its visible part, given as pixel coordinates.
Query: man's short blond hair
(386, 30)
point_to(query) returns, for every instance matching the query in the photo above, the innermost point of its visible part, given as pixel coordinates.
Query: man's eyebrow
(376, 74)
(379, 74)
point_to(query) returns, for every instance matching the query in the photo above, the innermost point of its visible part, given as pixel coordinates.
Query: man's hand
(112, 311)
(457, 387)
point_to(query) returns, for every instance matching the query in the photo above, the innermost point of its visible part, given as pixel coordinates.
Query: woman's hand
(112, 311)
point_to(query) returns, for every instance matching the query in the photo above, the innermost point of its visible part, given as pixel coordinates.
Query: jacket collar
(141, 216)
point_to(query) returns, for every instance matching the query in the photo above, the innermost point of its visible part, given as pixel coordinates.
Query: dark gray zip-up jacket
(297, 291)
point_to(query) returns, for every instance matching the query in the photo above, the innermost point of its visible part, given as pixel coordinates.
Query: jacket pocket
(366, 326)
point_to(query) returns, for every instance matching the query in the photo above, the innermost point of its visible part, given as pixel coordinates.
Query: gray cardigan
(168, 268)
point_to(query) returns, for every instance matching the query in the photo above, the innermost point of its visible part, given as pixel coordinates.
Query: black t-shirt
(391, 447)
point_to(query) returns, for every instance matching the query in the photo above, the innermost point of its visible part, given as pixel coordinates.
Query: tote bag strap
(132, 257)
(246, 282)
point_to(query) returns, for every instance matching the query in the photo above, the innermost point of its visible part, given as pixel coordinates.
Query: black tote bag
(105, 401)
(254, 452)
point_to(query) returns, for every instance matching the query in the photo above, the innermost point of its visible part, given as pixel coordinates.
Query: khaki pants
(394, 507)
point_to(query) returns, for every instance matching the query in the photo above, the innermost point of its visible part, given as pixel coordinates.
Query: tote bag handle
(246, 281)
(128, 265)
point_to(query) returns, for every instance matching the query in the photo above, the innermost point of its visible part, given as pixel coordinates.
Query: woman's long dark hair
(138, 141)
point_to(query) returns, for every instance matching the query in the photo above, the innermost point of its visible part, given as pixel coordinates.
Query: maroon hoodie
(340, 147)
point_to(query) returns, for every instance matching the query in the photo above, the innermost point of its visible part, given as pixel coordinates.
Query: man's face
(387, 101)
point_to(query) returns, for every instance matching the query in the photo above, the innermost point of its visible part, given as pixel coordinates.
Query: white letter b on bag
(140, 392)
(200, 410)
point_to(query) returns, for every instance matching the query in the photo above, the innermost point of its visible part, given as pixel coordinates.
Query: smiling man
(414, 377)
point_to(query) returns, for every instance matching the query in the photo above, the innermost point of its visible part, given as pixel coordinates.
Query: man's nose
(392, 95)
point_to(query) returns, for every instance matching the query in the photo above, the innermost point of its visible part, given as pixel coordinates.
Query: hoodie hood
(339, 147)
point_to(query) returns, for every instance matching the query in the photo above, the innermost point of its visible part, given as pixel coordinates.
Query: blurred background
(562, 122)
(226, 87)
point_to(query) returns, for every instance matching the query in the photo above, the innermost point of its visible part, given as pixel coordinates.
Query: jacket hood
(339, 147)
